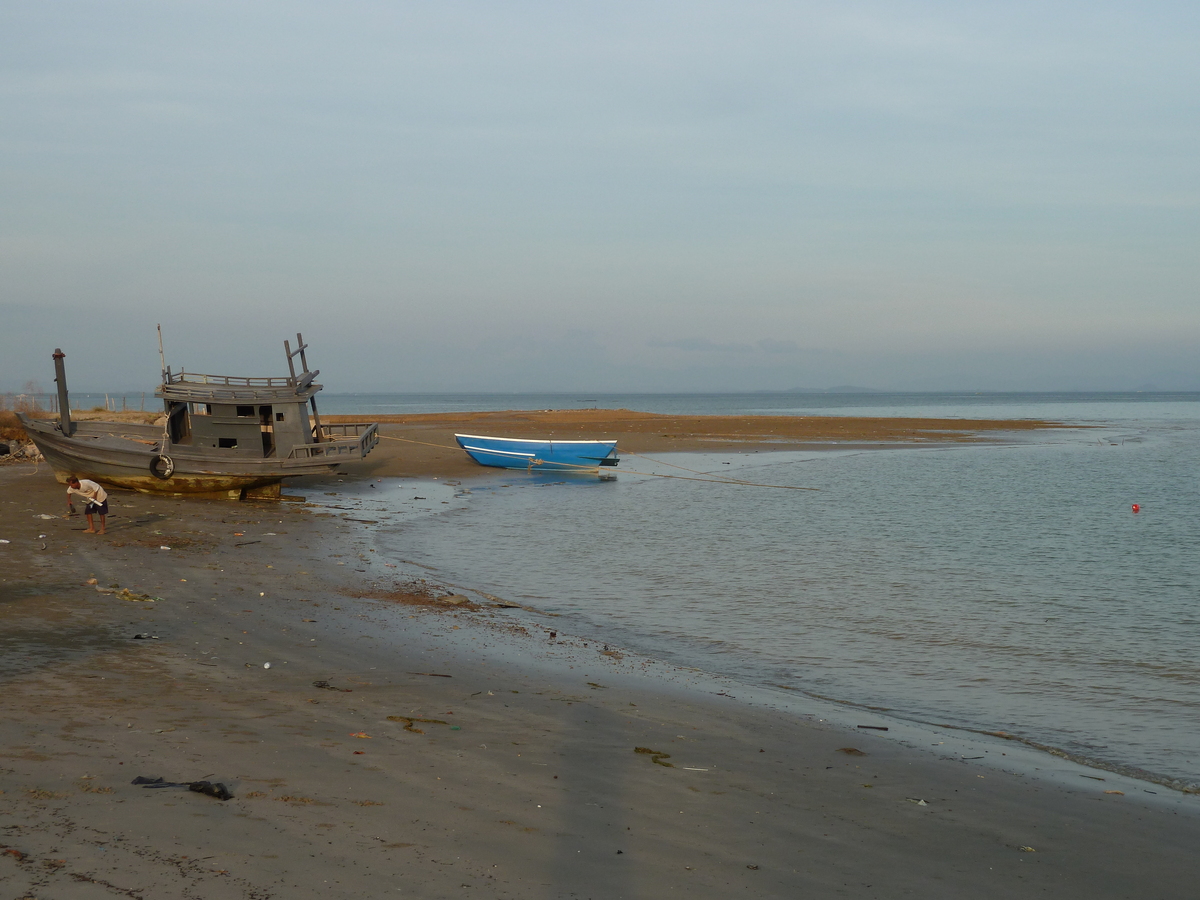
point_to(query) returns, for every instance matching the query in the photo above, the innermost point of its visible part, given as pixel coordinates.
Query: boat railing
(353, 440)
(230, 380)
(233, 385)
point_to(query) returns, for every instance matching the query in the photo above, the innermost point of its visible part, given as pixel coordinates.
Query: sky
(616, 196)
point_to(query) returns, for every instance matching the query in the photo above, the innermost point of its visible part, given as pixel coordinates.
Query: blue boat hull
(515, 453)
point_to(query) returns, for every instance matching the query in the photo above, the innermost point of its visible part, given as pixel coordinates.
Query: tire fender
(162, 467)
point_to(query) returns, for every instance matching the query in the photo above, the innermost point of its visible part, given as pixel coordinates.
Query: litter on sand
(207, 788)
(874, 727)
(656, 756)
(409, 720)
(127, 594)
(325, 685)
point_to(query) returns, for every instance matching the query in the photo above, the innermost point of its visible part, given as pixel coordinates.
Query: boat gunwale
(552, 441)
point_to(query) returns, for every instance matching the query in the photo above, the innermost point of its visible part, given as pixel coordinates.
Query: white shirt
(90, 491)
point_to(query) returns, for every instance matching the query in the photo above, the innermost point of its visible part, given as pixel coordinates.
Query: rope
(707, 479)
(388, 437)
(782, 487)
(709, 474)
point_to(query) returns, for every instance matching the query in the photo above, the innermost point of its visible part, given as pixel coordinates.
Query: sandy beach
(409, 740)
(423, 444)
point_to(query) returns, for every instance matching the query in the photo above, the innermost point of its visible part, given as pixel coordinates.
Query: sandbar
(423, 444)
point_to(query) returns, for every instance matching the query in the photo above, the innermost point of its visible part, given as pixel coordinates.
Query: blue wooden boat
(518, 453)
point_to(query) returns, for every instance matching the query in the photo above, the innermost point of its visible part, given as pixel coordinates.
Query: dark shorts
(94, 509)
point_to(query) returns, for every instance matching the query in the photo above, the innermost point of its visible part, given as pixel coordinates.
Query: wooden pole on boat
(64, 405)
(300, 346)
(162, 357)
(299, 351)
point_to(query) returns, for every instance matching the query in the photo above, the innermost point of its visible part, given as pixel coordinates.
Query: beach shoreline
(403, 743)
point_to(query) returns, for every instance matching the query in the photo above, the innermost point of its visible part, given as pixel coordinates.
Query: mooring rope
(388, 437)
(709, 474)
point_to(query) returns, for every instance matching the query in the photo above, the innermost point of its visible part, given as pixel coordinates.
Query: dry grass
(10, 405)
(10, 427)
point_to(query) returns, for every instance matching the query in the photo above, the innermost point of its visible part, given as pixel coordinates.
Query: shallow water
(989, 587)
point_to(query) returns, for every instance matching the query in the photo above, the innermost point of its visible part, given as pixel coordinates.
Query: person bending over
(97, 502)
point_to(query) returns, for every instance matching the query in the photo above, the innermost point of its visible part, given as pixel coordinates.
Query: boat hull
(121, 456)
(540, 455)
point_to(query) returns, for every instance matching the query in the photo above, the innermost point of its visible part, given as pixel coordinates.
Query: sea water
(999, 587)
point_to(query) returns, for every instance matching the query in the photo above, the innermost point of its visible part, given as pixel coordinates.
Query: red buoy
(1136, 508)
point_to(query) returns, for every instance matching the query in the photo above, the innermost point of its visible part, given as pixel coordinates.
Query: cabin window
(278, 417)
(227, 443)
(246, 411)
(200, 409)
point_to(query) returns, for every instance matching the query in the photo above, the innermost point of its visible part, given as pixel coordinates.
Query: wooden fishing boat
(219, 436)
(520, 453)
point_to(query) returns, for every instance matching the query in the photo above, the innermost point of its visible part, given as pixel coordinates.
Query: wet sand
(403, 746)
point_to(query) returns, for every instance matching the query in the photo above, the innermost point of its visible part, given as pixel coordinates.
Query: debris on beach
(1027, 850)
(325, 685)
(360, 734)
(126, 594)
(851, 751)
(874, 727)
(656, 756)
(208, 788)
(409, 720)
(145, 636)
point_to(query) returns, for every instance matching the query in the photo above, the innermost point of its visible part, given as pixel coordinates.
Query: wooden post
(64, 403)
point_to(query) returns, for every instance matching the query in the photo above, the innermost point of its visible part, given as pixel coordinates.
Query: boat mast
(166, 373)
(299, 351)
(64, 404)
(165, 441)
